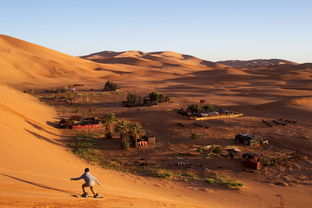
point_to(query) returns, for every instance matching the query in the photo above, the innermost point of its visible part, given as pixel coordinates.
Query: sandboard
(79, 196)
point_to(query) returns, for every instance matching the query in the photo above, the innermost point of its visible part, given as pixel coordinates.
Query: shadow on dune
(40, 128)
(52, 124)
(42, 137)
(114, 71)
(122, 60)
(208, 63)
(93, 105)
(37, 184)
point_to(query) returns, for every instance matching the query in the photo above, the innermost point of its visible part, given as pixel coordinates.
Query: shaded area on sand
(42, 137)
(37, 184)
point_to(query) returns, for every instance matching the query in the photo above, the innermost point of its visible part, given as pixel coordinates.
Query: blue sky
(210, 29)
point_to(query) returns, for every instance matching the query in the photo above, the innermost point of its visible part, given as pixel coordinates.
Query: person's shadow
(38, 184)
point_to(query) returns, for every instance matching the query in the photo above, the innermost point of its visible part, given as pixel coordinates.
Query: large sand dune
(35, 166)
(24, 63)
(35, 170)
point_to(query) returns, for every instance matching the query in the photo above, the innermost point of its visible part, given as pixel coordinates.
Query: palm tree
(108, 121)
(136, 131)
(123, 128)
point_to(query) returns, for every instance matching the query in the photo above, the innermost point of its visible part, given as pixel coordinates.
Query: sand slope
(35, 171)
(35, 167)
(22, 62)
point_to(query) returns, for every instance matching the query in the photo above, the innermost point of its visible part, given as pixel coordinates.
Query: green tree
(194, 108)
(153, 97)
(131, 99)
(136, 131)
(110, 86)
(123, 128)
(109, 121)
(209, 108)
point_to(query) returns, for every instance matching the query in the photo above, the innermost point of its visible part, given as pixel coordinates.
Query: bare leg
(91, 188)
(83, 188)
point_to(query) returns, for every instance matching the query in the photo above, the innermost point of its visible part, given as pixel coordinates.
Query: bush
(194, 136)
(110, 86)
(188, 176)
(162, 173)
(210, 180)
(131, 99)
(163, 98)
(194, 108)
(232, 183)
(158, 98)
(209, 108)
(217, 150)
(152, 98)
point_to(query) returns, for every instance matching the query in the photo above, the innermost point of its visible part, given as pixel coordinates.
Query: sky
(210, 29)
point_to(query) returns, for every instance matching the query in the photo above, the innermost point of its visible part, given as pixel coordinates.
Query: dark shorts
(90, 184)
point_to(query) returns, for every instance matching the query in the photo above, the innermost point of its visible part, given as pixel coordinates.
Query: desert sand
(36, 166)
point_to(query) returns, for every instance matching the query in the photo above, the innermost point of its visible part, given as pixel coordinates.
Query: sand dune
(35, 170)
(152, 59)
(35, 166)
(25, 65)
(24, 62)
(303, 102)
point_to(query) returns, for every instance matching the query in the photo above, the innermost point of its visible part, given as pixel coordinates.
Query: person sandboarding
(90, 181)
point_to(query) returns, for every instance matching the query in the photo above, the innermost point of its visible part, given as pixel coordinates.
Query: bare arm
(76, 179)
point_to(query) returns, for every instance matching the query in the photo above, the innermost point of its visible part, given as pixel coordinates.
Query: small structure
(209, 114)
(248, 139)
(72, 89)
(145, 140)
(206, 112)
(251, 161)
(229, 115)
(77, 122)
(182, 112)
(232, 152)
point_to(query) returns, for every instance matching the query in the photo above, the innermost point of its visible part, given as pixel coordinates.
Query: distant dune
(255, 62)
(304, 102)
(151, 59)
(23, 63)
